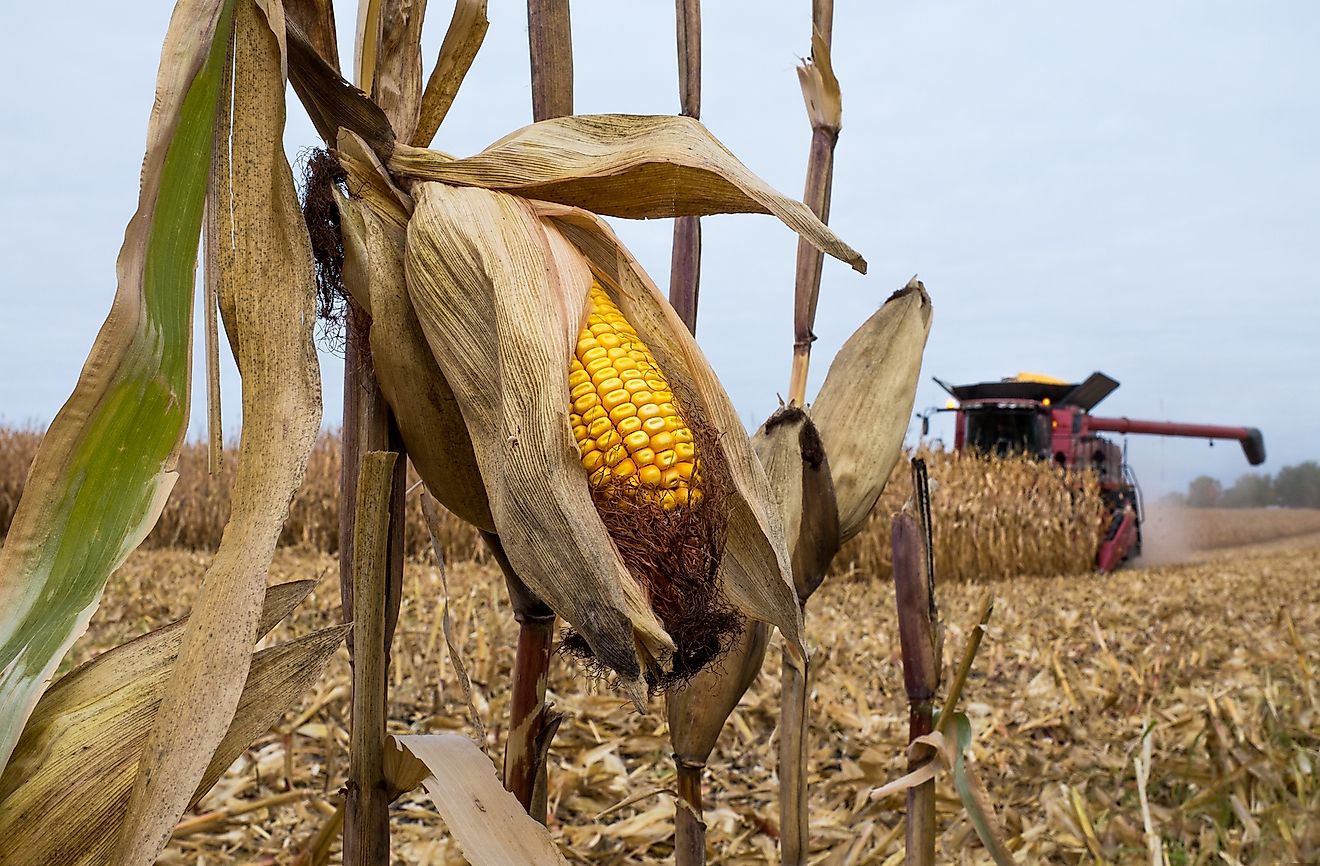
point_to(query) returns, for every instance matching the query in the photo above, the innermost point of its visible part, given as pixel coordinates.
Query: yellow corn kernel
(625, 421)
(621, 411)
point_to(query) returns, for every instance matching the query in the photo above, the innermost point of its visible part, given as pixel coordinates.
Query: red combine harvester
(1051, 419)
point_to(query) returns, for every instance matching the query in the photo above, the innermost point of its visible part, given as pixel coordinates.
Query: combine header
(1051, 419)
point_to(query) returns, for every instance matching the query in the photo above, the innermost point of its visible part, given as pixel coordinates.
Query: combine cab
(1051, 419)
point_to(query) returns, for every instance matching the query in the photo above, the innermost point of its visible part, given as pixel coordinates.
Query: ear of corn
(623, 416)
(754, 567)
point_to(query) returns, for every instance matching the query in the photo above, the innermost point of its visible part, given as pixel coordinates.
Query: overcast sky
(1131, 187)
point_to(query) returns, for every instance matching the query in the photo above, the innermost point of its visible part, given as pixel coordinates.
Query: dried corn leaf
(139, 665)
(314, 21)
(864, 405)
(65, 802)
(424, 406)
(487, 821)
(366, 44)
(106, 465)
(331, 102)
(267, 298)
(632, 166)
(397, 85)
(467, 29)
(820, 88)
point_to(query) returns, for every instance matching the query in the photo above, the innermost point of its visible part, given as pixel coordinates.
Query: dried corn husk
(418, 393)
(794, 459)
(698, 709)
(500, 299)
(863, 407)
(74, 766)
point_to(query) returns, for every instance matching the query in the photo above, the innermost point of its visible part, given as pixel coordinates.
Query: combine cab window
(1005, 431)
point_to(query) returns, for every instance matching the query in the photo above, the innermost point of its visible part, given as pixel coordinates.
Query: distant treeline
(1292, 487)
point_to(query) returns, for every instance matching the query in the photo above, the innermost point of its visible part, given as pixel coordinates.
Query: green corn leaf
(260, 255)
(105, 467)
(972, 793)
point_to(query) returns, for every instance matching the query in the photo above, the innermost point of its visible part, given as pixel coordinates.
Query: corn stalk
(820, 89)
(919, 633)
(685, 261)
(387, 66)
(684, 295)
(824, 108)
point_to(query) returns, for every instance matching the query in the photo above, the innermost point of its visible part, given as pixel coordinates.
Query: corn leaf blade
(63, 798)
(634, 166)
(972, 793)
(267, 298)
(106, 464)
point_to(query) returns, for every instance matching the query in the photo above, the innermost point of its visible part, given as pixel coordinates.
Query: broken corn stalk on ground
(624, 416)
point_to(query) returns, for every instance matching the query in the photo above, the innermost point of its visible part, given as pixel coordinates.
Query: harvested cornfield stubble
(994, 518)
(1216, 661)
(1191, 529)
